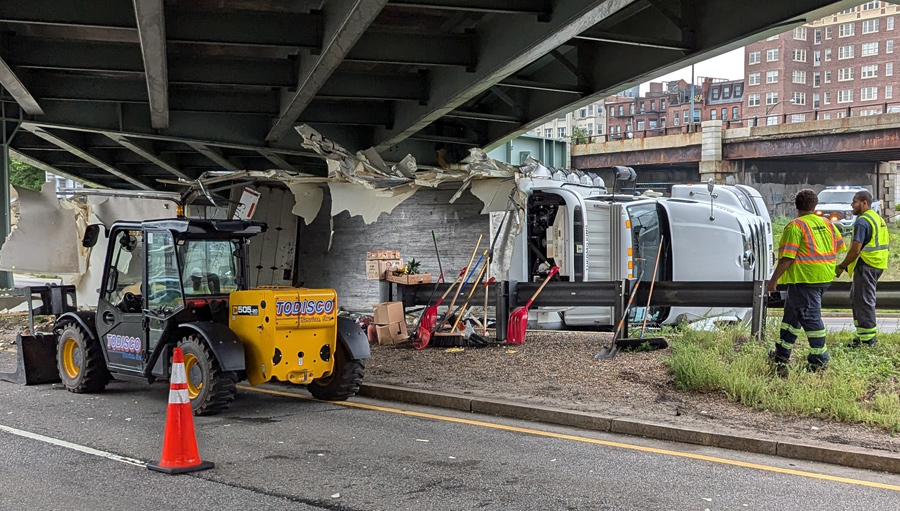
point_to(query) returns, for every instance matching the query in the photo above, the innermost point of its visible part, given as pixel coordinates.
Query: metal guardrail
(506, 296)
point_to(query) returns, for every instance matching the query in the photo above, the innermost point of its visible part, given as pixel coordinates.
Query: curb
(848, 457)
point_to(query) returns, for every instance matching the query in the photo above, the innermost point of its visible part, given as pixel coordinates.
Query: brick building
(837, 66)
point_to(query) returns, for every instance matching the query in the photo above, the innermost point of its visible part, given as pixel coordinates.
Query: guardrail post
(758, 320)
(619, 309)
(503, 305)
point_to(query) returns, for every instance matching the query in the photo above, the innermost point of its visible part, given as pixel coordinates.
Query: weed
(859, 386)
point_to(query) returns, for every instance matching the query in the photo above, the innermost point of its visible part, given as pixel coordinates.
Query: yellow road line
(574, 438)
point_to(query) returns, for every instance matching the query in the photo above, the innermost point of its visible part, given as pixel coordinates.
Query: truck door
(120, 309)
(165, 297)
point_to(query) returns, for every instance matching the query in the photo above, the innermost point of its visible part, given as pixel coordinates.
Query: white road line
(74, 447)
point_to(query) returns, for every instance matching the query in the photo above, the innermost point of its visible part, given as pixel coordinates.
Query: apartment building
(841, 65)
(589, 118)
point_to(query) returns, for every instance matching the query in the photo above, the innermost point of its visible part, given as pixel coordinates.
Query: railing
(816, 114)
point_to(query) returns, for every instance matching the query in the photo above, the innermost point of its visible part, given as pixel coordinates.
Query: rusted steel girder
(815, 145)
(686, 154)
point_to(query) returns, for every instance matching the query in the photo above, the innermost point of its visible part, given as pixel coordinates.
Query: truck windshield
(209, 267)
(836, 196)
(645, 239)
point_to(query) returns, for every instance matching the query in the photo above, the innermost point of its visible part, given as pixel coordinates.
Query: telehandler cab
(185, 282)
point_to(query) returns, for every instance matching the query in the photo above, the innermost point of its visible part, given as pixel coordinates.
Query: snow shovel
(436, 284)
(654, 342)
(611, 350)
(518, 320)
(429, 318)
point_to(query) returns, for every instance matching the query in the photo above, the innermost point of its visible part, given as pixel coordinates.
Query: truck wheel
(344, 379)
(80, 361)
(210, 388)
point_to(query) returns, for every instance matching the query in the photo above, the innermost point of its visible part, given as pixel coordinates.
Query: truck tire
(210, 388)
(80, 361)
(344, 379)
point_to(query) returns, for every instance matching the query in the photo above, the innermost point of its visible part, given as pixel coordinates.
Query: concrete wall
(408, 228)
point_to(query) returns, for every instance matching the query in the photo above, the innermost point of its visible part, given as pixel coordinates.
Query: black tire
(79, 360)
(344, 379)
(211, 389)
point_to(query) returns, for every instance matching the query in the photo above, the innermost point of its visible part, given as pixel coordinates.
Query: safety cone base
(203, 465)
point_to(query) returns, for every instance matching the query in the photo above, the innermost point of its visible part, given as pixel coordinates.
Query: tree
(579, 133)
(24, 175)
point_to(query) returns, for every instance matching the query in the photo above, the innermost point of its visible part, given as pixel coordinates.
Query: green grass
(893, 270)
(860, 386)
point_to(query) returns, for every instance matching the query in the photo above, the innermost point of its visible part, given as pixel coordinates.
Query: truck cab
(835, 205)
(705, 235)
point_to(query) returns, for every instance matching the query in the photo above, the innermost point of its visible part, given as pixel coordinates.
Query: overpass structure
(849, 150)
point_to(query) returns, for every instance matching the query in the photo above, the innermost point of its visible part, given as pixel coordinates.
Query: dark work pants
(803, 311)
(862, 292)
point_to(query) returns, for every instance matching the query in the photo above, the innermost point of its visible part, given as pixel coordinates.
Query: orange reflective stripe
(810, 240)
(806, 258)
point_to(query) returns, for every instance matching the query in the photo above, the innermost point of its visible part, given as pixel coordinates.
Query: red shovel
(518, 320)
(429, 317)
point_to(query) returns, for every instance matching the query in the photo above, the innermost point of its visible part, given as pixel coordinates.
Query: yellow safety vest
(812, 243)
(875, 252)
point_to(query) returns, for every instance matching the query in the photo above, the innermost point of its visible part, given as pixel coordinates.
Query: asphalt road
(276, 450)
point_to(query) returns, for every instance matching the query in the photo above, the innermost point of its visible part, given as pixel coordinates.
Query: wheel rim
(71, 358)
(194, 375)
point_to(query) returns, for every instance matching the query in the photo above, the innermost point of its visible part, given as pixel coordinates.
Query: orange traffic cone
(179, 453)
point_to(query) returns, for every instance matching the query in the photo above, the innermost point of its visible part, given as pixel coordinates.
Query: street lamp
(773, 105)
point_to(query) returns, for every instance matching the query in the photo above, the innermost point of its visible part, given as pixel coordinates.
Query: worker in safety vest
(806, 261)
(866, 261)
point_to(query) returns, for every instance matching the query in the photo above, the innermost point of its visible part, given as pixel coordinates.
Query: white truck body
(594, 236)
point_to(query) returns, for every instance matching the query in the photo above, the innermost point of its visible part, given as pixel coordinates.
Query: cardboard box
(387, 266)
(376, 255)
(389, 312)
(419, 278)
(372, 271)
(391, 334)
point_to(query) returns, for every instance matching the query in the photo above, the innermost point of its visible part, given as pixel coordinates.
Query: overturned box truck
(708, 233)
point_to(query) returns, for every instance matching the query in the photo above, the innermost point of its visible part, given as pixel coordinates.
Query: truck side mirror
(91, 235)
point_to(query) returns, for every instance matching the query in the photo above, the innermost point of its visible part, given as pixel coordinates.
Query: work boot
(871, 343)
(816, 363)
(779, 364)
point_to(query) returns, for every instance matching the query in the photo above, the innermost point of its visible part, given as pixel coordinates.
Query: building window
(612, 130)
(631, 109)
(827, 32)
(561, 131)
(653, 106)
(662, 122)
(591, 110)
(771, 120)
(798, 77)
(817, 58)
(772, 38)
(726, 92)
(845, 96)
(868, 93)
(662, 104)
(889, 21)
(621, 110)
(753, 79)
(771, 98)
(651, 124)
(826, 98)
(798, 117)
(724, 114)
(817, 36)
(800, 33)
(715, 93)
(675, 120)
(846, 29)
(817, 79)
(753, 57)
(869, 49)
(845, 74)
(798, 98)
(868, 6)
(799, 55)
(772, 76)
(827, 54)
(583, 112)
(696, 115)
(640, 125)
(734, 111)
(772, 55)
(738, 90)
(827, 76)
(753, 100)
(590, 129)
(684, 114)
(712, 114)
(869, 71)
(845, 52)
(870, 26)
(816, 100)
(888, 91)
(548, 132)
(612, 111)
(889, 46)
(889, 69)
(642, 107)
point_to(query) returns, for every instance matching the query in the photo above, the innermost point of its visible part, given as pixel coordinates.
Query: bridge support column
(6, 278)
(886, 188)
(711, 164)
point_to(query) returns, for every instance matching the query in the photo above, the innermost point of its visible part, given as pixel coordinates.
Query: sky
(729, 66)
